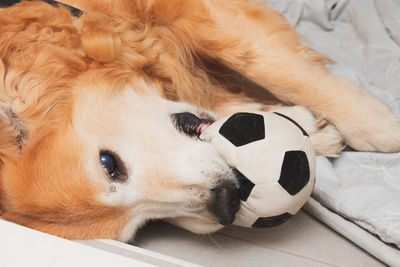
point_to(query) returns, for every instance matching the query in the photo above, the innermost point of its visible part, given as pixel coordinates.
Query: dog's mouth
(190, 124)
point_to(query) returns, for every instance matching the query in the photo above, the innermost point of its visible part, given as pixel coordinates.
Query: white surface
(20, 246)
(136, 252)
(354, 233)
(365, 188)
(302, 241)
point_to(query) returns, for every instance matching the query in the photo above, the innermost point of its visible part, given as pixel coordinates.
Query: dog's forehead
(132, 124)
(107, 111)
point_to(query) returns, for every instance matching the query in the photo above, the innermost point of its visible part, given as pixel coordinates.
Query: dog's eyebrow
(73, 10)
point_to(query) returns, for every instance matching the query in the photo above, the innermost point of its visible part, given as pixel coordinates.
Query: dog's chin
(196, 225)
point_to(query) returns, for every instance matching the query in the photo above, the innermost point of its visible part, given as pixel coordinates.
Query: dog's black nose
(189, 123)
(225, 202)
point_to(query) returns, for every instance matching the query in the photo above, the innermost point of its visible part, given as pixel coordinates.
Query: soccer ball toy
(275, 163)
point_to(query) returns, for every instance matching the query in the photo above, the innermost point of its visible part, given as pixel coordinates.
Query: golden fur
(55, 69)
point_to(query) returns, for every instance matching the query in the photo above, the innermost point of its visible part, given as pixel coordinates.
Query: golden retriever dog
(101, 111)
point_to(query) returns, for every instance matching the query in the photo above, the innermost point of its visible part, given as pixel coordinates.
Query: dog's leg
(259, 44)
(291, 72)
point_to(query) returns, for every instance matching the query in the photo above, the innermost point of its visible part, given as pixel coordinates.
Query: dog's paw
(376, 133)
(326, 140)
(368, 125)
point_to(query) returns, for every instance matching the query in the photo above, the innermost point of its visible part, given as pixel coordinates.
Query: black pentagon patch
(295, 123)
(245, 185)
(295, 172)
(273, 221)
(243, 128)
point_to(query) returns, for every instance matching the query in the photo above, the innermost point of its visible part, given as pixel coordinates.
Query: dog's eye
(112, 165)
(108, 162)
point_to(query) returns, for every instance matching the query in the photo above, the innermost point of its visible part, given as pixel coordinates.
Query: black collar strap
(73, 10)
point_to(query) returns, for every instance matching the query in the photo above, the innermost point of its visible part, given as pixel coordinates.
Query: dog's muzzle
(224, 199)
(224, 202)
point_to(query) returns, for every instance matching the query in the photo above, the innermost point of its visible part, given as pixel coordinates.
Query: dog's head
(89, 146)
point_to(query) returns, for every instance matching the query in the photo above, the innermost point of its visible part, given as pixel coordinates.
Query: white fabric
(365, 188)
(358, 235)
(363, 37)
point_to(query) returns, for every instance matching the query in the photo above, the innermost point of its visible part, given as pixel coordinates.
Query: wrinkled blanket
(363, 38)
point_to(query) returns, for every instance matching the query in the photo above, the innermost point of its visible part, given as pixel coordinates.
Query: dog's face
(117, 159)
(89, 145)
(145, 153)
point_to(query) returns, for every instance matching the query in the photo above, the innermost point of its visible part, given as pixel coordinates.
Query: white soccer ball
(274, 160)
